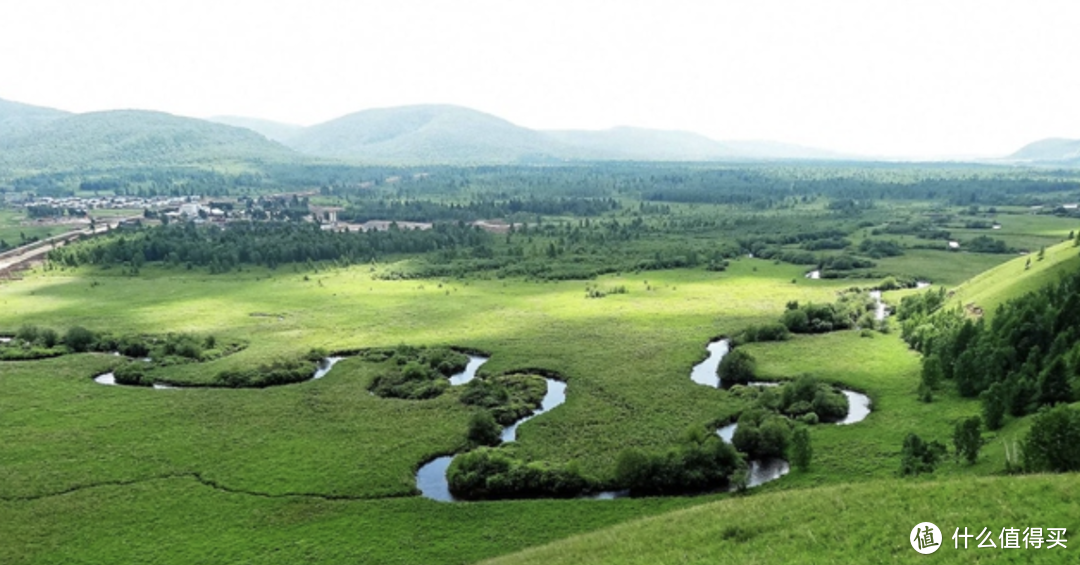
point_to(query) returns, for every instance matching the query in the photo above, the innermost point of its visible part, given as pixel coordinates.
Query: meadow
(323, 471)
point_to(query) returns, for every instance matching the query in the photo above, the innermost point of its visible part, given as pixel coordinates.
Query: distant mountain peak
(1049, 150)
(17, 118)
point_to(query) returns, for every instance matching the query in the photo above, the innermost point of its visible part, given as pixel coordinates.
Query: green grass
(888, 372)
(626, 358)
(180, 520)
(11, 227)
(860, 523)
(1013, 279)
(940, 267)
(132, 456)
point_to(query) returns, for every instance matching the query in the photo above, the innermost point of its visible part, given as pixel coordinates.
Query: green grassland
(12, 229)
(625, 357)
(858, 523)
(1016, 277)
(322, 471)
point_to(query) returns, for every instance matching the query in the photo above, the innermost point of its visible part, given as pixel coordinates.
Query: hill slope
(1012, 279)
(274, 131)
(129, 138)
(1049, 150)
(860, 523)
(17, 118)
(426, 134)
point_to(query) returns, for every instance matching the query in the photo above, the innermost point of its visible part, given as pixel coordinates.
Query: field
(12, 229)
(323, 471)
(859, 523)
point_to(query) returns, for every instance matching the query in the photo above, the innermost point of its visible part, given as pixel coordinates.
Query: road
(18, 258)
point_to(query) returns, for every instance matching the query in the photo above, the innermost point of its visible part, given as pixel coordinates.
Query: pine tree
(1054, 384)
(994, 404)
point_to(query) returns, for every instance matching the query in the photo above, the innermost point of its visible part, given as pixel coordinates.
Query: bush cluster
(700, 462)
(488, 473)
(278, 372)
(508, 398)
(416, 373)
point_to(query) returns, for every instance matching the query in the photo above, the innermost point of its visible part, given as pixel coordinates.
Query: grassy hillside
(132, 138)
(1015, 278)
(860, 523)
(17, 119)
(426, 134)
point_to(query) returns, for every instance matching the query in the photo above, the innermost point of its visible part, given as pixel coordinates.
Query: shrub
(483, 429)
(807, 395)
(769, 332)
(700, 462)
(1053, 443)
(278, 372)
(133, 347)
(416, 373)
(737, 367)
(27, 333)
(489, 473)
(133, 374)
(801, 450)
(79, 339)
(48, 337)
(918, 457)
(762, 434)
(508, 398)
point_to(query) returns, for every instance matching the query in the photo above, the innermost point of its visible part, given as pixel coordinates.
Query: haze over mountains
(1052, 150)
(34, 138)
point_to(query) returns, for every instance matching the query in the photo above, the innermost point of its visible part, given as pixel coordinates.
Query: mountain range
(34, 138)
(1052, 150)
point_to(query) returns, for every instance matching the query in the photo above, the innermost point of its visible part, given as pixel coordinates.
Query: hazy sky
(900, 78)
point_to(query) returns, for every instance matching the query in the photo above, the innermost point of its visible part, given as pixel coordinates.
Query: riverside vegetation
(613, 279)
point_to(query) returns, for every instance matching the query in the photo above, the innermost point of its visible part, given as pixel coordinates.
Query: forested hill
(17, 119)
(134, 138)
(455, 135)
(1053, 150)
(428, 134)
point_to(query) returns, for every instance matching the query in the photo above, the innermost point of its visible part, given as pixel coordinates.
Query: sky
(902, 79)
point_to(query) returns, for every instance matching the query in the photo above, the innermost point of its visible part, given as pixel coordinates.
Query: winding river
(431, 477)
(321, 370)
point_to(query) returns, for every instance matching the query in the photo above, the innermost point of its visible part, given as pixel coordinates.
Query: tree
(483, 429)
(79, 339)
(995, 403)
(802, 450)
(1053, 444)
(966, 375)
(931, 371)
(49, 337)
(967, 438)
(1054, 386)
(918, 456)
(737, 367)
